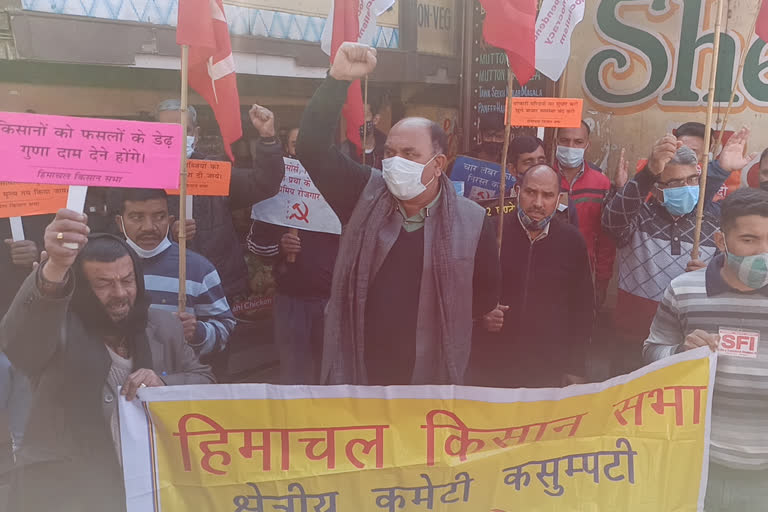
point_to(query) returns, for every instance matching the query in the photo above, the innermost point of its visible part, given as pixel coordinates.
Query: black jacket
(216, 238)
(13, 275)
(547, 285)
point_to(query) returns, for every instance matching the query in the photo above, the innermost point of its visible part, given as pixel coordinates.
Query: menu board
(489, 87)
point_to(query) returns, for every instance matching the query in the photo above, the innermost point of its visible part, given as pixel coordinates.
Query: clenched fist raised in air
(353, 61)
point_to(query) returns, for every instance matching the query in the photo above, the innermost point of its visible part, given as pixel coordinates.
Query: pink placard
(60, 150)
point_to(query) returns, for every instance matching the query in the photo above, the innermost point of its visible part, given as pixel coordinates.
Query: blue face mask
(681, 201)
(533, 225)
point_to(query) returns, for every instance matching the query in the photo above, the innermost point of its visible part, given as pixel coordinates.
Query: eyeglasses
(690, 181)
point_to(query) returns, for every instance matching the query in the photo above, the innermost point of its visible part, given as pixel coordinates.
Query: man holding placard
(210, 230)
(81, 328)
(416, 263)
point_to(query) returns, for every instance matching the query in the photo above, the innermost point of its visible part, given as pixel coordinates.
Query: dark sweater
(391, 310)
(547, 285)
(216, 237)
(13, 275)
(311, 274)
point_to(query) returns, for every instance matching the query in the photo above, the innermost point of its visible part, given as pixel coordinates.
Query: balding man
(416, 263)
(544, 323)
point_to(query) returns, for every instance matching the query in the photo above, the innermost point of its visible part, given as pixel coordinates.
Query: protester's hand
(353, 61)
(43, 257)
(24, 253)
(699, 338)
(142, 378)
(69, 227)
(494, 321)
(663, 151)
(190, 227)
(189, 322)
(622, 174)
(290, 244)
(570, 380)
(732, 156)
(263, 120)
(694, 265)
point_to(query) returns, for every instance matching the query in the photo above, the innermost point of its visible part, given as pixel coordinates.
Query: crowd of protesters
(416, 290)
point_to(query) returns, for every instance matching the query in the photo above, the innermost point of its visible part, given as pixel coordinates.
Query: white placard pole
(76, 203)
(17, 229)
(189, 207)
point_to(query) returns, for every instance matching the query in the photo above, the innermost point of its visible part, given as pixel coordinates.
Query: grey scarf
(444, 325)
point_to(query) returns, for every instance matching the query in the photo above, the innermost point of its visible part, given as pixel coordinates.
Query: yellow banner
(635, 443)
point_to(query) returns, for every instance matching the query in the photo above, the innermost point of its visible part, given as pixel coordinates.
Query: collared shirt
(416, 222)
(575, 178)
(541, 236)
(716, 285)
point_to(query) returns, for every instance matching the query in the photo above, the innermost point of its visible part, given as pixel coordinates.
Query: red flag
(346, 28)
(761, 25)
(203, 27)
(510, 25)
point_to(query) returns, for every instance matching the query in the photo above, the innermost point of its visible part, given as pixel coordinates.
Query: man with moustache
(144, 221)
(544, 322)
(80, 327)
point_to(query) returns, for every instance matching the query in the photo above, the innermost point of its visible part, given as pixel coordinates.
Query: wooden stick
(183, 181)
(365, 123)
(291, 258)
(742, 60)
(707, 129)
(504, 151)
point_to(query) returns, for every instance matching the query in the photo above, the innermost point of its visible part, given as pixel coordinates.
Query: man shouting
(81, 329)
(416, 263)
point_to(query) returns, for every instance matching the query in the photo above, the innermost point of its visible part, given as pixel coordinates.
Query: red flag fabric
(510, 25)
(761, 25)
(346, 27)
(202, 26)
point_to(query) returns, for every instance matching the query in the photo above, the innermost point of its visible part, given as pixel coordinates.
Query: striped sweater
(205, 296)
(702, 300)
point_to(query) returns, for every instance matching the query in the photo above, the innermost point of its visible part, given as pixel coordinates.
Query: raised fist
(263, 120)
(353, 61)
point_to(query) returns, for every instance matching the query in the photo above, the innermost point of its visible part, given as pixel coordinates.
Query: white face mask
(190, 145)
(144, 253)
(570, 158)
(403, 177)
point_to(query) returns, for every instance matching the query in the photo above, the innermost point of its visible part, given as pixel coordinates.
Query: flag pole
(183, 180)
(707, 129)
(365, 123)
(739, 70)
(504, 151)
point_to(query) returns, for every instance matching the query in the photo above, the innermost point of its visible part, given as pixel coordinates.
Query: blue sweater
(205, 296)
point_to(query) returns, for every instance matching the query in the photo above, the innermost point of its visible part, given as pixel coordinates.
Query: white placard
(298, 204)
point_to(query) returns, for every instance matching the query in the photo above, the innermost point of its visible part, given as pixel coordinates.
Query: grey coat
(68, 461)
